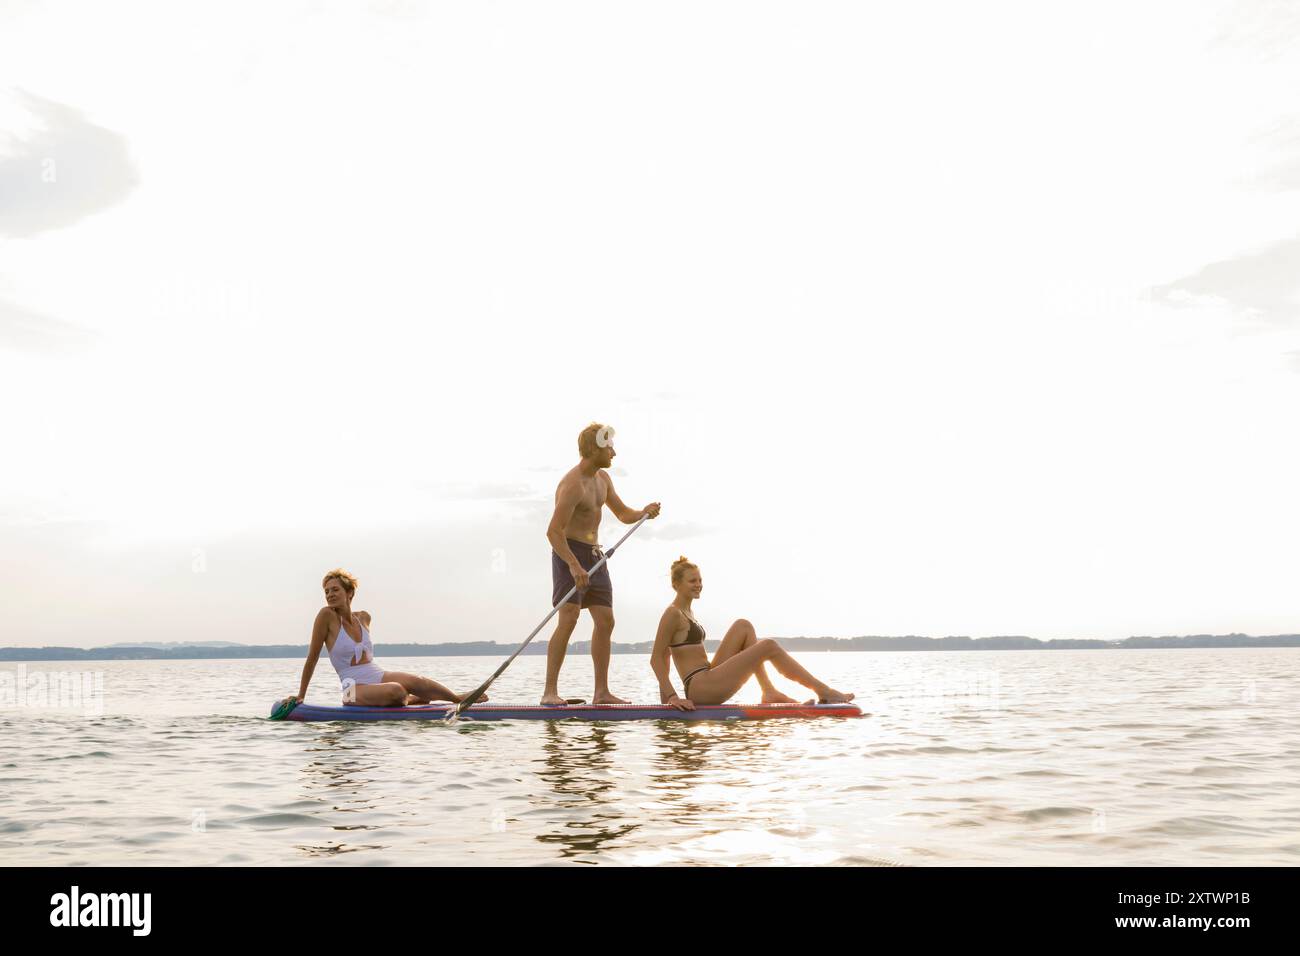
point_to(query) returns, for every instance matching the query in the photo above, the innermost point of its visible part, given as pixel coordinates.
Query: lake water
(1182, 757)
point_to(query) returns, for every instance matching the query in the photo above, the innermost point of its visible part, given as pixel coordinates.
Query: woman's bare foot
(552, 700)
(829, 695)
(776, 697)
(606, 698)
(481, 698)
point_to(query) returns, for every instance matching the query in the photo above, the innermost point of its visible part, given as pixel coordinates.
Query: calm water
(1071, 757)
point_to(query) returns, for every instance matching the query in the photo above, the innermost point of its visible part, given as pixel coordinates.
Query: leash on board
(479, 691)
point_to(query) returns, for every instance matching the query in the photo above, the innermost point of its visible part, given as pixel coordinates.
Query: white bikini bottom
(350, 677)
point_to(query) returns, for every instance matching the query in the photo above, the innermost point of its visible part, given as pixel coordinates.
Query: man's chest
(593, 495)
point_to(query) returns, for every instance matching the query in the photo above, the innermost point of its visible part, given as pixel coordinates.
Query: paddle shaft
(479, 691)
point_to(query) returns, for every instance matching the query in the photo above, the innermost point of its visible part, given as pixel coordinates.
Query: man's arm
(621, 511)
(567, 500)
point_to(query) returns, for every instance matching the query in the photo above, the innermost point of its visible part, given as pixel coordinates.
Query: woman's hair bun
(680, 567)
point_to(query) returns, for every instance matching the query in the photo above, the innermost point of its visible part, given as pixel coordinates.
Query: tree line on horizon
(200, 651)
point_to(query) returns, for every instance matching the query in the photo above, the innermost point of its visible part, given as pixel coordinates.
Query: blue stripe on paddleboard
(577, 712)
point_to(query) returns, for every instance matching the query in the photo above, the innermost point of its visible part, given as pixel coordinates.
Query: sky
(918, 319)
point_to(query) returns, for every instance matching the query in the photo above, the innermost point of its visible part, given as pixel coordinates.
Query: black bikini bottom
(686, 681)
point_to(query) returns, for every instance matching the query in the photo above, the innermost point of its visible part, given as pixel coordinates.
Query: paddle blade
(467, 701)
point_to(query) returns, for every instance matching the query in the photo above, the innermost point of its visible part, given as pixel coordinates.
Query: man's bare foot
(776, 697)
(552, 700)
(481, 699)
(830, 695)
(606, 698)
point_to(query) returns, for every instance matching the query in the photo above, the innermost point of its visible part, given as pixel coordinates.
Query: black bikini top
(694, 634)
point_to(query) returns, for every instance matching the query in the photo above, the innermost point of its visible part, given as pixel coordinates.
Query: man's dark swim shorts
(599, 593)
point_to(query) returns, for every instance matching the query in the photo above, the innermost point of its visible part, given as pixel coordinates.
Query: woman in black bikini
(740, 656)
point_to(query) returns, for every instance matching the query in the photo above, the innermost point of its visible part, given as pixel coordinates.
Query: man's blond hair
(594, 437)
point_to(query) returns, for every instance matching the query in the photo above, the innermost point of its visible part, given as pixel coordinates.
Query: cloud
(398, 9)
(1264, 285)
(535, 512)
(1282, 142)
(64, 170)
(23, 330)
(480, 491)
(674, 530)
(1268, 28)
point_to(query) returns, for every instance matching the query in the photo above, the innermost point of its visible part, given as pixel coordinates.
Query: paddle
(479, 691)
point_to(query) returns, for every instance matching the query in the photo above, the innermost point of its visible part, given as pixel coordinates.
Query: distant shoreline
(199, 651)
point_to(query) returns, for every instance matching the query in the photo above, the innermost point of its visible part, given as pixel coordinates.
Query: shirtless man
(579, 498)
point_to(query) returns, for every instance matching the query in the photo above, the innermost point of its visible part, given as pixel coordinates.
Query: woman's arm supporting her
(672, 622)
(319, 630)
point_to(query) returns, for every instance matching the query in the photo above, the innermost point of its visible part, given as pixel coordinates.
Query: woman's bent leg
(739, 636)
(387, 694)
(423, 690)
(792, 669)
(721, 681)
(717, 685)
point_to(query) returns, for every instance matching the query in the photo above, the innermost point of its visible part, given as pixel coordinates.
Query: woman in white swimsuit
(740, 656)
(347, 636)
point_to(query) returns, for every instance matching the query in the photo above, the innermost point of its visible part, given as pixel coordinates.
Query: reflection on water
(685, 758)
(1125, 758)
(336, 778)
(580, 788)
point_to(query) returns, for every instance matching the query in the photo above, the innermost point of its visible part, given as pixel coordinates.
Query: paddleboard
(493, 711)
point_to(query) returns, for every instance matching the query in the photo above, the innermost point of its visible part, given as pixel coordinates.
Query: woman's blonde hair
(680, 567)
(348, 581)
